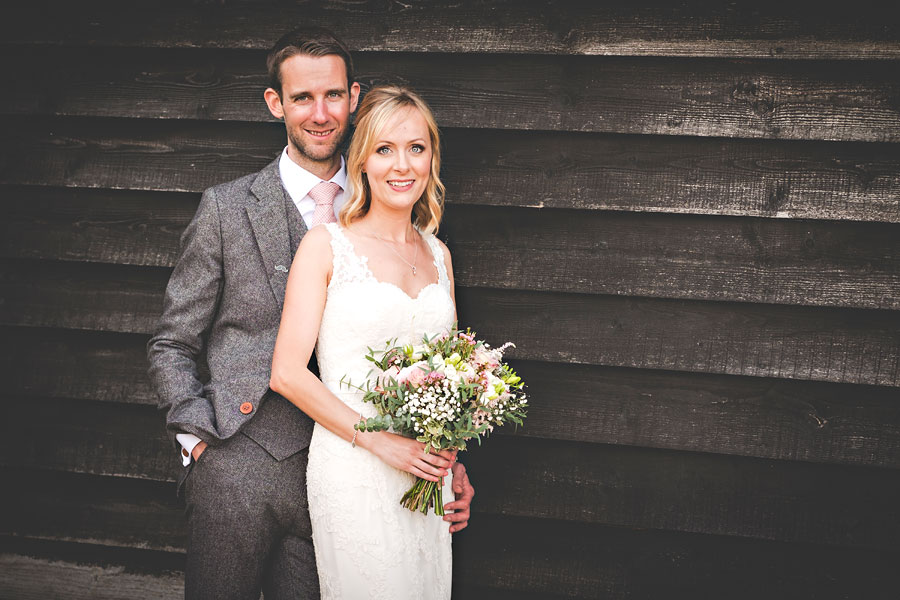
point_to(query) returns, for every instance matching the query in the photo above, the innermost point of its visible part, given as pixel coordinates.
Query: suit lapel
(269, 222)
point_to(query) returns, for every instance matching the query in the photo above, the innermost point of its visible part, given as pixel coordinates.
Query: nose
(320, 114)
(401, 162)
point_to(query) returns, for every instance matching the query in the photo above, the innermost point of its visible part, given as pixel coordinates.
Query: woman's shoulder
(441, 246)
(316, 242)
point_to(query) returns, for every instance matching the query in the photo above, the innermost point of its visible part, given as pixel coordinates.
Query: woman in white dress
(378, 275)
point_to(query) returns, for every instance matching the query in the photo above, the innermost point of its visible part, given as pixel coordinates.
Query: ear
(273, 102)
(354, 96)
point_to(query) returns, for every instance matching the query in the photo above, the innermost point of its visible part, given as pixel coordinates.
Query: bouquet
(447, 390)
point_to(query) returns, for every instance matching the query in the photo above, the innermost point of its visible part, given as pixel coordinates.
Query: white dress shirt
(298, 182)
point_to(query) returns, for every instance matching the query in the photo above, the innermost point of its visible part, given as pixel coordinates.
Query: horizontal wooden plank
(122, 440)
(704, 97)
(642, 488)
(96, 297)
(499, 560)
(109, 367)
(676, 256)
(752, 260)
(621, 486)
(739, 29)
(747, 416)
(114, 512)
(111, 226)
(496, 560)
(598, 562)
(822, 344)
(24, 577)
(790, 342)
(609, 172)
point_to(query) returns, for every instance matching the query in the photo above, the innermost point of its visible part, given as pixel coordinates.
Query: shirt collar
(298, 181)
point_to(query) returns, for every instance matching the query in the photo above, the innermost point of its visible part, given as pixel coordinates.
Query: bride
(379, 275)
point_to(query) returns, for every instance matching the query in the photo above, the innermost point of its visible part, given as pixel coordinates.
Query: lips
(319, 134)
(400, 184)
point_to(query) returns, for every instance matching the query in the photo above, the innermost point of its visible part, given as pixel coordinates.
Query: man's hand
(198, 449)
(464, 493)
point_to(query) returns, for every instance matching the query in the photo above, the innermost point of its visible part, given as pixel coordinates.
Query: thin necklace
(412, 265)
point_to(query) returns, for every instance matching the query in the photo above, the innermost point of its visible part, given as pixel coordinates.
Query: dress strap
(346, 266)
(438, 255)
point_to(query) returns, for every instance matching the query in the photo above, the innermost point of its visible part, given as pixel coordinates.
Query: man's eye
(334, 95)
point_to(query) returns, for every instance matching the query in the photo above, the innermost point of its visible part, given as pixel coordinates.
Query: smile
(319, 134)
(401, 185)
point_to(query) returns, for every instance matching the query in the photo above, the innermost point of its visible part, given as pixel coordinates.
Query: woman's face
(400, 164)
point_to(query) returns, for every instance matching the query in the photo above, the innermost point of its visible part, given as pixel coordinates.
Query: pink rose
(414, 375)
(385, 378)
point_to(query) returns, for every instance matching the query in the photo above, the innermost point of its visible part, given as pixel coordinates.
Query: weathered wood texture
(766, 29)
(611, 485)
(825, 344)
(748, 416)
(760, 99)
(687, 216)
(751, 260)
(492, 560)
(630, 173)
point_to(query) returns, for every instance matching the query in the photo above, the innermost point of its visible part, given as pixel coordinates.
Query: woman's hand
(408, 455)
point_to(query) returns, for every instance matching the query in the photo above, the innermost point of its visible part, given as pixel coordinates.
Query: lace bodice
(363, 312)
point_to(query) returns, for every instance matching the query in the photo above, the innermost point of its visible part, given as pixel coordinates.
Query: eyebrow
(415, 141)
(301, 93)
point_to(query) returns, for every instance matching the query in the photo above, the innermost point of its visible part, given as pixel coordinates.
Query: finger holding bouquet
(442, 393)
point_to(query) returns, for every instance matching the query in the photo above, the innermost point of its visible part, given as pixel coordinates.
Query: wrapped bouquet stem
(448, 390)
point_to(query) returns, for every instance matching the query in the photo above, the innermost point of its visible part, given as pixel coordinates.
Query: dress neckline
(364, 262)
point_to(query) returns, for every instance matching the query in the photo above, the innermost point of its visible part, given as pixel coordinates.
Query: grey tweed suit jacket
(224, 301)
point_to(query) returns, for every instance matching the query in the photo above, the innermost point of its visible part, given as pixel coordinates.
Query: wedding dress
(367, 545)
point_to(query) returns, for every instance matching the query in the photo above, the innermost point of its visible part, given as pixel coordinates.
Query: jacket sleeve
(191, 302)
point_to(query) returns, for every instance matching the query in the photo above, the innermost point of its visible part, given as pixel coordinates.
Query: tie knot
(324, 193)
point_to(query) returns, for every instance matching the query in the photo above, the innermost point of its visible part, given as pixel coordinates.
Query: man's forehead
(305, 71)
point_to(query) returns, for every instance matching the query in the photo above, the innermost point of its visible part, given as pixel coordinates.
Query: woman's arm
(304, 303)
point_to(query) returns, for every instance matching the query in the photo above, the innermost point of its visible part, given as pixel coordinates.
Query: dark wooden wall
(686, 215)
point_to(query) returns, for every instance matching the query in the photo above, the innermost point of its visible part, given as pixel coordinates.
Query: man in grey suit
(244, 447)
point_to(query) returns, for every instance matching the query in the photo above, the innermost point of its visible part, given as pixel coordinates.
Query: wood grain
(704, 97)
(762, 29)
(77, 365)
(586, 561)
(28, 578)
(791, 342)
(795, 180)
(746, 416)
(676, 256)
(635, 488)
(751, 260)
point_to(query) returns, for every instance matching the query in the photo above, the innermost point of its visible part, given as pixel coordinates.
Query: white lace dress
(367, 545)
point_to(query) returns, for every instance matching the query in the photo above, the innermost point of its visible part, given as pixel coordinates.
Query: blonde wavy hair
(380, 104)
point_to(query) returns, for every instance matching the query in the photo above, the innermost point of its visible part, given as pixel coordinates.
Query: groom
(244, 447)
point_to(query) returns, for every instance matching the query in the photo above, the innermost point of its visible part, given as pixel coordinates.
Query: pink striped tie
(324, 194)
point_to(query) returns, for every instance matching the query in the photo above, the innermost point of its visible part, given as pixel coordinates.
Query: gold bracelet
(356, 432)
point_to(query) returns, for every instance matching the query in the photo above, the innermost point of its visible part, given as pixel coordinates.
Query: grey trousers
(248, 525)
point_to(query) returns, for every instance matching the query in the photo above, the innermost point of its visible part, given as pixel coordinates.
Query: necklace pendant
(414, 271)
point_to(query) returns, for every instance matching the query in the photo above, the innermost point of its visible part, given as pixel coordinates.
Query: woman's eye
(418, 148)
(383, 150)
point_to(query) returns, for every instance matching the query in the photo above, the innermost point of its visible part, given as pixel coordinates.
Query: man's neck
(324, 170)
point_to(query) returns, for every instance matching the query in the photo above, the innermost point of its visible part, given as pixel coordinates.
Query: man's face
(315, 105)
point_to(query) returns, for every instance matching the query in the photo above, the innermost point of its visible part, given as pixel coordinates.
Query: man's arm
(191, 300)
(464, 493)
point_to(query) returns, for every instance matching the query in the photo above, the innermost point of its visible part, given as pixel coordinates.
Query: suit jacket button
(246, 408)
